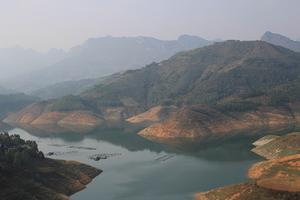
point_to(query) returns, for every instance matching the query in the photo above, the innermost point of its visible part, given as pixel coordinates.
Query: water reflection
(220, 149)
(145, 169)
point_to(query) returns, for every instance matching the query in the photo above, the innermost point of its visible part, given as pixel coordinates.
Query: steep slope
(65, 88)
(207, 75)
(281, 40)
(63, 115)
(48, 180)
(236, 83)
(280, 174)
(202, 122)
(245, 191)
(26, 174)
(153, 115)
(279, 146)
(14, 102)
(104, 56)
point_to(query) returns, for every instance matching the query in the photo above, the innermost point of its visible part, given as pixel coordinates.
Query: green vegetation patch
(14, 102)
(236, 106)
(68, 103)
(17, 152)
(287, 152)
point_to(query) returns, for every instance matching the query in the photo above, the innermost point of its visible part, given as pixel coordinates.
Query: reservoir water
(143, 170)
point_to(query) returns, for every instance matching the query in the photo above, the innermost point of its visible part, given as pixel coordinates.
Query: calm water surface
(144, 170)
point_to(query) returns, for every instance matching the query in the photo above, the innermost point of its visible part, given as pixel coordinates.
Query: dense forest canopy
(17, 152)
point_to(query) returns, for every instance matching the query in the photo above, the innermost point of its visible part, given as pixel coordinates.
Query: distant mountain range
(97, 57)
(204, 75)
(65, 88)
(281, 40)
(16, 61)
(227, 88)
(102, 56)
(74, 87)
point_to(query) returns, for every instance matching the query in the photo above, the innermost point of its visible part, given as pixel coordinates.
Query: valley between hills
(221, 91)
(150, 100)
(228, 88)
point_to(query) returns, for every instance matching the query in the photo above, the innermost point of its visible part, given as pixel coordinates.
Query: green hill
(233, 69)
(14, 102)
(233, 82)
(26, 174)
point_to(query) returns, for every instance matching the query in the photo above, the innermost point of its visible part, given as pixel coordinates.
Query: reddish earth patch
(282, 174)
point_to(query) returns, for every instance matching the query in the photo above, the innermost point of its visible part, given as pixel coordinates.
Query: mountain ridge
(103, 56)
(281, 40)
(229, 77)
(27, 60)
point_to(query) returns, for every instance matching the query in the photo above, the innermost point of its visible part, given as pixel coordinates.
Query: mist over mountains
(281, 40)
(208, 88)
(205, 75)
(97, 57)
(57, 73)
(16, 61)
(149, 100)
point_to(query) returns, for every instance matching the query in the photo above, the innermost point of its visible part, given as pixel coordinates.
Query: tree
(18, 160)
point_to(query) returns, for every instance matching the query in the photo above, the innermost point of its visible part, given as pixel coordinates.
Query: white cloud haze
(43, 24)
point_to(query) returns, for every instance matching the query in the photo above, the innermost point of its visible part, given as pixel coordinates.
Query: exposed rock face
(36, 115)
(39, 116)
(281, 174)
(26, 174)
(279, 146)
(264, 140)
(275, 179)
(153, 115)
(48, 180)
(78, 175)
(202, 121)
(27, 115)
(245, 191)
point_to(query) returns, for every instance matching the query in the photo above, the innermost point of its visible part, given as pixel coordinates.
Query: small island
(26, 174)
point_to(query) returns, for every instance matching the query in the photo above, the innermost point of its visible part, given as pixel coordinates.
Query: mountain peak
(103, 56)
(281, 40)
(268, 35)
(186, 36)
(232, 49)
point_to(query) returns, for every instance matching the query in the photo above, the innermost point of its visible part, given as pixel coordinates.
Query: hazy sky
(43, 24)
